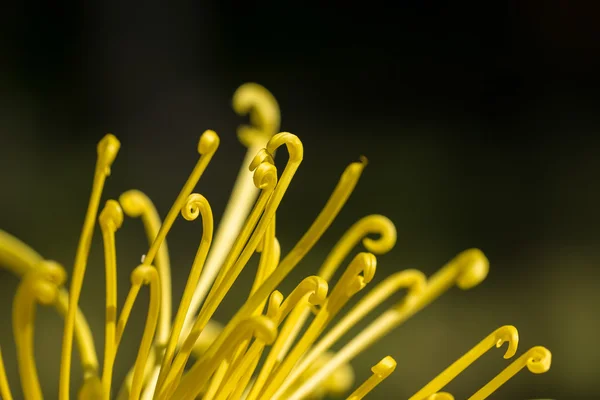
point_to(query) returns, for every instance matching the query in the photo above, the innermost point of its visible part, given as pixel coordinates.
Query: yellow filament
(466, 270)
(207, 146)
(369, 225)
(5, 392)
(334, 204)
(358, 274)
(264, 114)
(145, 275)
(507, 333)
(111, 219)
(35, 287)
(269, 257)
(108, 148)
(412, 279)
(268, 262)
(269, 247)
(265, 178)
(19, 258)
(381, 370)
(136, 204)
(260, 326)
(537, 360)
(195, 205)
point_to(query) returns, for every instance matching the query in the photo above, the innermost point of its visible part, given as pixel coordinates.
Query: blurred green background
(480, 126)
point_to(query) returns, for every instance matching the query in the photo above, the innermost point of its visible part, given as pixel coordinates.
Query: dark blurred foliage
(480, 125)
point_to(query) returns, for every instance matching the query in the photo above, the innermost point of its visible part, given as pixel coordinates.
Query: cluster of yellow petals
(275, 346)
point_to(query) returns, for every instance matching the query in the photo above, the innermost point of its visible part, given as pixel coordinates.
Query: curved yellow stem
(466, 270)
(111, 219)
(20, 259)
(107, 152)
(37, 286)
(195, 205)
(265, 178)
(148, 275)
(537, 360)
(136, 204)
(507, 333)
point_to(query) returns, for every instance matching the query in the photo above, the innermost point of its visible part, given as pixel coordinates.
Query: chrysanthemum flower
(277, 346)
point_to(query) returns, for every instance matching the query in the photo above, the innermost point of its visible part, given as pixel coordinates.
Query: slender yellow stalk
(20, 259)
(37, 286)
(147, 275)
(107, 152)
(497, 338)
(195, 205)
(111, 219)
(136, 204)
(537, 360)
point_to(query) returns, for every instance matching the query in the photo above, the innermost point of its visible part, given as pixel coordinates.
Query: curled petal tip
(510, 334)
(143, 274)
(474, 268)
(133, 203)
(294, 145)
(320, 291)
(384, 367)
(274, 305)
(370, 265)
(45, 291)
(254, 99)
(265, 176)
(540, 360)
(263, 156)
(208, 143)
(195, 205)
(53, 272)
(108, 148)
(265, 329)
(111, 216)
(379, 224)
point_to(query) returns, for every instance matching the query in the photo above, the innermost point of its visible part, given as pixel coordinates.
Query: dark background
(480, 125)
